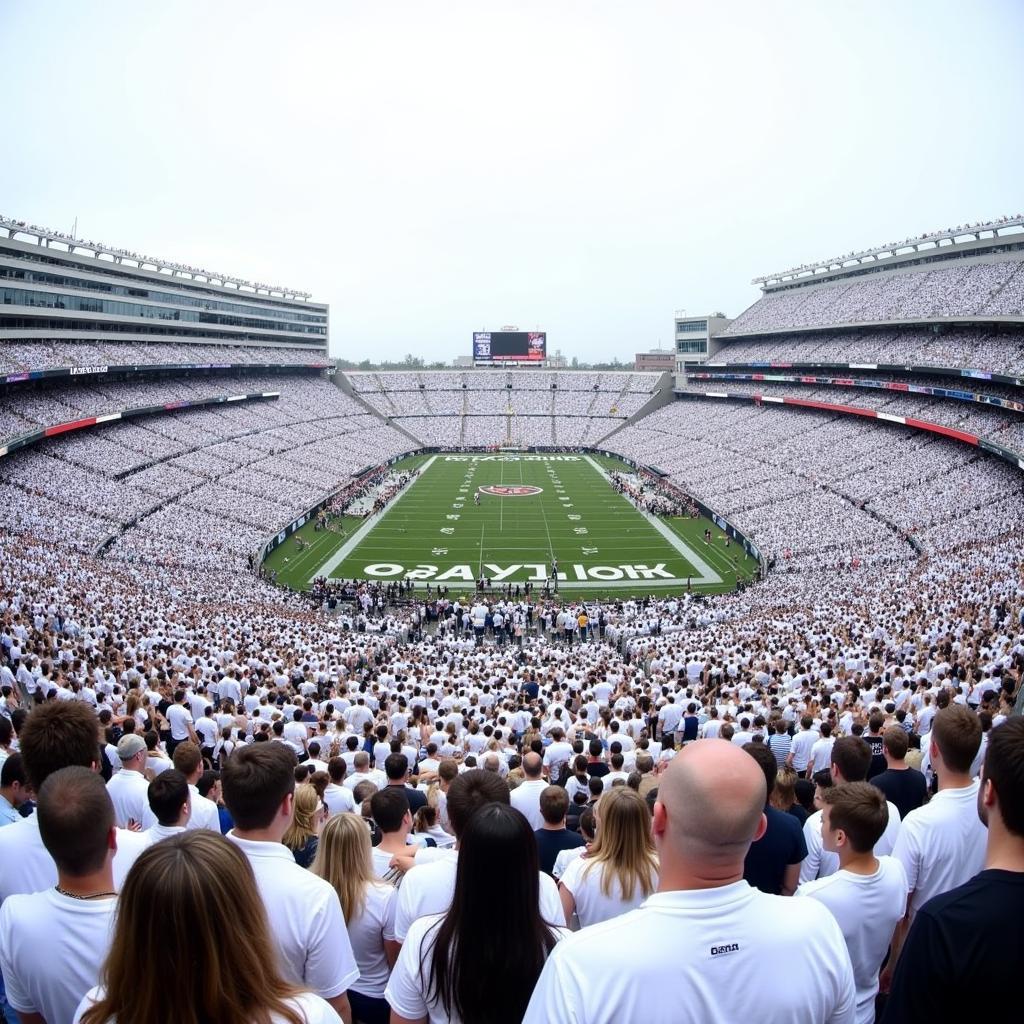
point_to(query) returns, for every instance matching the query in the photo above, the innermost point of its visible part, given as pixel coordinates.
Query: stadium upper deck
(965, 275)
(54, 287)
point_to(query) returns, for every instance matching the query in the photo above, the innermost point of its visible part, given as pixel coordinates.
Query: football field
(517, 518)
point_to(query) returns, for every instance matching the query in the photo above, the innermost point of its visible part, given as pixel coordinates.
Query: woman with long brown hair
(621, 869)
(192, 945)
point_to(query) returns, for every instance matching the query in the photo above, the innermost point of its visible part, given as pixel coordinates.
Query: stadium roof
(931, 240)
(45, 236)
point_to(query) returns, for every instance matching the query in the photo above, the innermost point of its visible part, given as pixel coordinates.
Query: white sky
(431, 168)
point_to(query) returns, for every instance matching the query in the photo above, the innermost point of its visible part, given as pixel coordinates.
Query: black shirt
(959, 946)
(906, 788)
(551, 842)
(877, 745)
(781, 845)
(799, 813)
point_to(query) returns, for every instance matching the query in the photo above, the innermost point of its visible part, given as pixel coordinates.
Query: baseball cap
(128, 746)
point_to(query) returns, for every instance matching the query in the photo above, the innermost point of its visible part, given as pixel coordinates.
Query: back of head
(189, 910)
(469, 792)
(336, 768)
(396, 766)
(496, 842)
(710, 805)
(188, 757)
(1004, 772)
(168, 793)
(851, 756)
(554, 804)
(255, 781)
(389, 807)
(860, 810)
(532, 765)
(344, 860)
(956, 731)
(56, 735)
(75, 817)
(766, 762)
(896, 742)
(624, 847)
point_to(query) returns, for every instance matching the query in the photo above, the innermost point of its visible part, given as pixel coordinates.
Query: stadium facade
(56, 287)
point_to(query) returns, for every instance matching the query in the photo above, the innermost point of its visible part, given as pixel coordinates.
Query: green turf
(436, 533)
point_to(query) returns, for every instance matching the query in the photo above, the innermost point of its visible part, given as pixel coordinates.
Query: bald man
(706, 948)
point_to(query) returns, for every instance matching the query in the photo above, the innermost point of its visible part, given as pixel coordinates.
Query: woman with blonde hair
(621, 869)
(192, 944)
(304, 832)
(343, 859)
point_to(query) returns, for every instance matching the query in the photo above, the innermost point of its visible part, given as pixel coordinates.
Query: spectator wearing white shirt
(179, 719)
(337, 796)
(942, 844)
(129, 788)
(213, 939)
(446, 970)
(305, 915)
(171, 804)
(368, 904)
(803, 745)
(868, 894)
(189, 761)
(54, 736)
(851, 758)
(526, 796)
(705, 926)
(53, 942)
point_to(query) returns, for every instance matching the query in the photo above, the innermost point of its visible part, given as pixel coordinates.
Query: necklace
(92, 896)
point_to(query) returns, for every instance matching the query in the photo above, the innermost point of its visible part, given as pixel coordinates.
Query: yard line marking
(352, 543)
(708, 575)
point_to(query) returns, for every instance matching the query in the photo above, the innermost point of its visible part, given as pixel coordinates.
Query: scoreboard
(510, 346)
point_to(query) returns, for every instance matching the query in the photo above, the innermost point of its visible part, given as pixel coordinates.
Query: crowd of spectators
(958, 347)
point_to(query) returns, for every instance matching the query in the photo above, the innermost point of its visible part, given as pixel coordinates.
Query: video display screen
(510, 346)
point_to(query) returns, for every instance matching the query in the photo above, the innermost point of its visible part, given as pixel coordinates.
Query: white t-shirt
(819, 863)
(367, 933)
(339, 800)
(565, 858)
(582, 877)
(708, 956)
(129, 793)
(179, 718)
(204, 812)
(821, 753)
(428, 889)
(942, 844)
(305, 919)
(407, 989)
(312, 1008)
(525, 798)
(28, 867)
(867, 909)
(51, 950)
(803, 744)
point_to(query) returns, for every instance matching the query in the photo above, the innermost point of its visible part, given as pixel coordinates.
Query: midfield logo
(519, 491)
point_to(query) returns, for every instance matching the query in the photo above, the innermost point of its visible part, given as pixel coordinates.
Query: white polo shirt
(305, 919)
(204, 812)
(819, 863)
(677, 960)
(526, 799)
(367, 932)
(867, 909)
(582, 877)
(408, 987)
(311, 1008)
(941, 845)
(428, 889)
(28, 867)
(129, 793)
(339, 800)
(51, 950)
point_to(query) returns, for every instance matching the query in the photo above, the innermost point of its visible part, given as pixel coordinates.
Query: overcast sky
(434, 168)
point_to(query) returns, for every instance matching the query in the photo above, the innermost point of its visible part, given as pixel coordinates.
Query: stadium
(482, 573)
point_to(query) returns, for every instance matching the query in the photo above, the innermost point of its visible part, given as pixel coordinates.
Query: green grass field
(434, 532)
